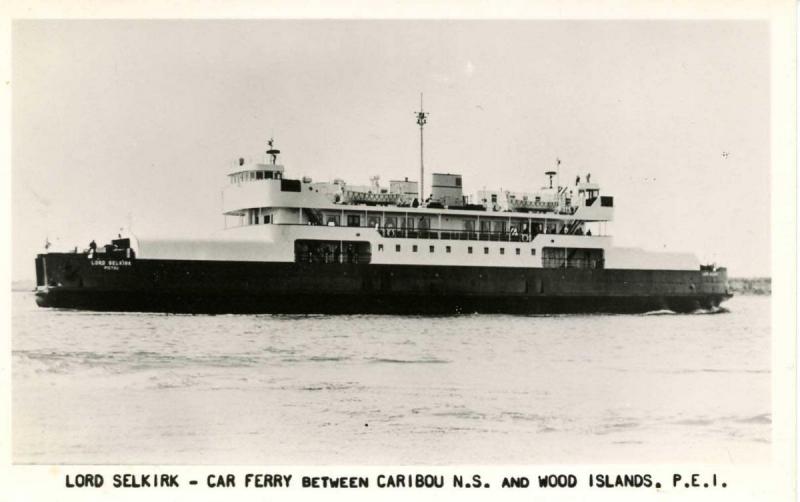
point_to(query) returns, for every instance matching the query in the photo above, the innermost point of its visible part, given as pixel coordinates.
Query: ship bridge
(254, 171)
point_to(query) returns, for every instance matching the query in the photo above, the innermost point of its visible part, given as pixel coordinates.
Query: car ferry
(294, 245)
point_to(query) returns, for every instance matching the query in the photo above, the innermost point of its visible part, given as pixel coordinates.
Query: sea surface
(470, 389)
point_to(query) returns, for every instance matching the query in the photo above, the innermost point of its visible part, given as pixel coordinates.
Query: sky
(136, 123)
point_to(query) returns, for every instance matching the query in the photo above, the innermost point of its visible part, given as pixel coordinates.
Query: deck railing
(403, 233)
(464, 235)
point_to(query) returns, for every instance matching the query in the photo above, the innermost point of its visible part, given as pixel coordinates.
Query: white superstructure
(271, 217)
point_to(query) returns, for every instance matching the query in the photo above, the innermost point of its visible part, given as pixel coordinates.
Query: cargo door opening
(587, 258)
(330, 251)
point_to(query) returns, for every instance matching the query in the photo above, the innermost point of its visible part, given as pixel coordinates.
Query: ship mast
(558, 182)
(422, 119)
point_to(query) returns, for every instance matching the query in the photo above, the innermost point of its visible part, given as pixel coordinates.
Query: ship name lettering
(110, 264)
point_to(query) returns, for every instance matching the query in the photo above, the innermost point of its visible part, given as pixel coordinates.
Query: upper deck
(258, 192)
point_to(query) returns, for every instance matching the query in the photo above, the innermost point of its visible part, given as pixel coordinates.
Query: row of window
(255, 175)
(448, 249)
(424, 223)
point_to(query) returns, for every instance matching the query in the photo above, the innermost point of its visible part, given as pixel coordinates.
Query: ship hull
(73, 280)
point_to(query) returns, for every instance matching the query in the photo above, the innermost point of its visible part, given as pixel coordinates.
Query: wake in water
(712, 310)
(661, 312)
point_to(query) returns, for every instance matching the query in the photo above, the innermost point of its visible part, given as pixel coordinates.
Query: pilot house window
(353, 220)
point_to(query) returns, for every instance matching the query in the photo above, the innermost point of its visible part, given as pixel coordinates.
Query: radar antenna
(272, 152)
(422, 119)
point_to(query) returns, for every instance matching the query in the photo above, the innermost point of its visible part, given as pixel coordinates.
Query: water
(153, 388)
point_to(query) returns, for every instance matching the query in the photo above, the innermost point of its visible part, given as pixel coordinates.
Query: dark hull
(71, 280)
